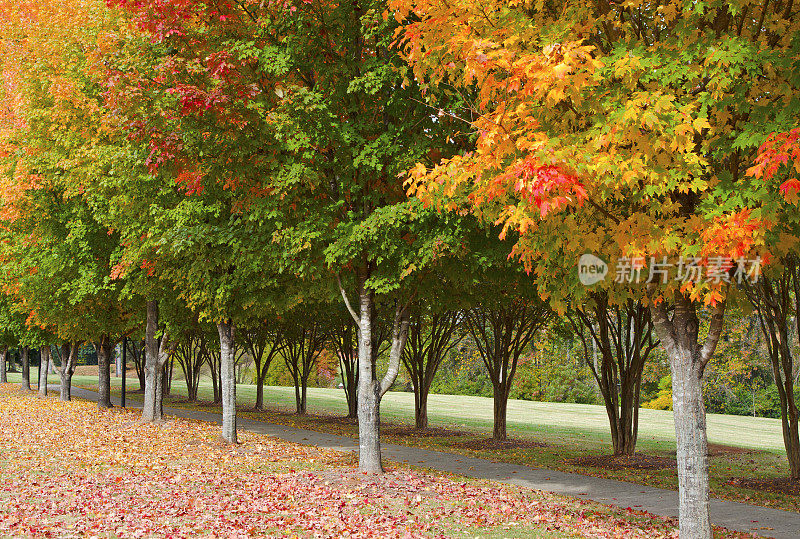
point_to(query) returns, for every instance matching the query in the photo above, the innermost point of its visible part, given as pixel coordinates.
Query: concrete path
(732, 515)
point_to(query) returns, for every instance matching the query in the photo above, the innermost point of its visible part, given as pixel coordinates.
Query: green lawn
(559, 422)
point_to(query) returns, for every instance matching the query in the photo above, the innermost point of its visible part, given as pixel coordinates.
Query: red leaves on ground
(71, 470)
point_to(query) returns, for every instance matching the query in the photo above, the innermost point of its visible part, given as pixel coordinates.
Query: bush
(664, 399)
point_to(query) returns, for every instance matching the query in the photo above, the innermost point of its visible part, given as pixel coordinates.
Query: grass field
(746, 448)
(560, 422)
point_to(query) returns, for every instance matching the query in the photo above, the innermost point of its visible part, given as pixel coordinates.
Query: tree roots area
(68, 469)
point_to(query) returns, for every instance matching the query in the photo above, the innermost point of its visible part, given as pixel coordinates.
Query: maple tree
(57, 261)
(620, 129)
(306, 145)
(303, 338)
(776, 296)
(432, 334)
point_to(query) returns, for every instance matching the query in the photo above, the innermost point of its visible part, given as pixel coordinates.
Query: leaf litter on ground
(68, 469)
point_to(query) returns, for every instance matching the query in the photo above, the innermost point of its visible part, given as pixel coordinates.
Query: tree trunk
(369, 442)
(103, 348)
(499, 433)
(259, 391)
(118, 362)
(44, 368)
(687, 364)
(26, 369)
(352, 399)
(65, 393)
(690, 435)
(228, 380)
(152, 408)
(790, 439)
(623, 336)
(370, 389)
(3, 363)
(421, 409)
(69, 356)
(776, 299)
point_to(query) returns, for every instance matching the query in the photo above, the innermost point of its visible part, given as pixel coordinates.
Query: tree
(191, 359)
(624, 336)
(58, 258)
(620, 129)
(303, 338)
(343, 337)
(306, 116)
(776, 296)
(264, 343)
(430, 339)
(502, 325)
(67, 364)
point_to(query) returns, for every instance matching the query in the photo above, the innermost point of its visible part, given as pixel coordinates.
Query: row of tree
(171, 163)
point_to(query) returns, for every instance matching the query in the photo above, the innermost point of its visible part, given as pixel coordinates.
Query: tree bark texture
(688, 359)
(26, 368)
(44, 368)
(226, 332)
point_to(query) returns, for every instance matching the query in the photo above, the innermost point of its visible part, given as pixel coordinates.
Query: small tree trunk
(44, 368)
(164, 381)
(104, 372)
(26, 369)
(625, 430)
(352, 400)
(69, 355)
(499, 433)
(421, 409)
(260, 391)
(3, 363)
(118, 362)
(228, 380)
(218, 374)
(298, 405)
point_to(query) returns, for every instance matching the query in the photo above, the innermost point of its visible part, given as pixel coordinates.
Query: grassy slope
(560, 422)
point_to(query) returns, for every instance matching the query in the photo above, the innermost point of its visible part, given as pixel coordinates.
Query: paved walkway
(732, 515)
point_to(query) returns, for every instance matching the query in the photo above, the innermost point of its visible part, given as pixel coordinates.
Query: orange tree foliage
(597, 122)
(623, 129)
